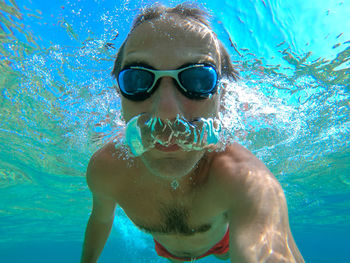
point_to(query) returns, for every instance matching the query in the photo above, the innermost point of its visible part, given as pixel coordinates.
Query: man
(194, 202)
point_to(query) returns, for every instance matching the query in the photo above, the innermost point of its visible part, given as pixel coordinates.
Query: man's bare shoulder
(240, 172)
(105, 168)
(104, 158)
(236, 160)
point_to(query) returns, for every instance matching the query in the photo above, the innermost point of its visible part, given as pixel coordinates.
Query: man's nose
(167, 100)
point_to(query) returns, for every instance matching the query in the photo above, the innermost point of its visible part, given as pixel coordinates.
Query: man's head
(167, 39)
(187, 13)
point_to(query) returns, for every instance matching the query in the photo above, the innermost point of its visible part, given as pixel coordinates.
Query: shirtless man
(225, 203)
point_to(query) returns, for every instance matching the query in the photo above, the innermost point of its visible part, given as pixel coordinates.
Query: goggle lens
(197, 81)
(134, 81)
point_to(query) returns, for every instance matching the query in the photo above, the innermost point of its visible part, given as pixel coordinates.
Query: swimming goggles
(196, 81)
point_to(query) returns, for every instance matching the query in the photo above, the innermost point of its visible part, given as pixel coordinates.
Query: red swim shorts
(219, 249)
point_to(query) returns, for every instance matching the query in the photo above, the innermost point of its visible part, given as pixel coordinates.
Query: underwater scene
(59, 105)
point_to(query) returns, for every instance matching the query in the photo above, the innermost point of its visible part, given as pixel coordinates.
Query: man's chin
(172, 167)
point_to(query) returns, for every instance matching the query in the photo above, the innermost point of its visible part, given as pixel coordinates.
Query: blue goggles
(197, 81)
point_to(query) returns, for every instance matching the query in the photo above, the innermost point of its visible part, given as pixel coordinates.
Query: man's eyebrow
(207, 62)
(137, 64)
(146, 65)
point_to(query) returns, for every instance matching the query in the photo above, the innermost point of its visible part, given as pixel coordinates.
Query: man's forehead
(174, 39)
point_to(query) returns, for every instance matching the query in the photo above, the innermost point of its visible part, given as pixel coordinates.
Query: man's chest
(156, 212)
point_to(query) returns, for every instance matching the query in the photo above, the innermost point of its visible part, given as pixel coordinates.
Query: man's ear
(116, 88)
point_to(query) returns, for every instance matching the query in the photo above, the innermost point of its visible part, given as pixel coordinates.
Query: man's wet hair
(184, 11)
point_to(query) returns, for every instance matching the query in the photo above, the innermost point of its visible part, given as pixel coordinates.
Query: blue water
(58, 107)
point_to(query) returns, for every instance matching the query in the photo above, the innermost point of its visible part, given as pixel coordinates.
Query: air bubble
(143, 132)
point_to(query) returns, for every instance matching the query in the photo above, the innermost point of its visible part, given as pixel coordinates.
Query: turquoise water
(58, 106)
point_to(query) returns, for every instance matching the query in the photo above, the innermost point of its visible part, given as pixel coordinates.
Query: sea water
(59, 105)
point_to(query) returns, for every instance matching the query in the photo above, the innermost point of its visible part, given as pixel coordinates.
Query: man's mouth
(143, 132)
(169, 148)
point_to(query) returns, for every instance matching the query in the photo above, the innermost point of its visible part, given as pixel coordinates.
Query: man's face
(166, 46)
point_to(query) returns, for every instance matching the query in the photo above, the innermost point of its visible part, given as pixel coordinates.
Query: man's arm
(100, 182)
(98, 228)
(259, 225)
